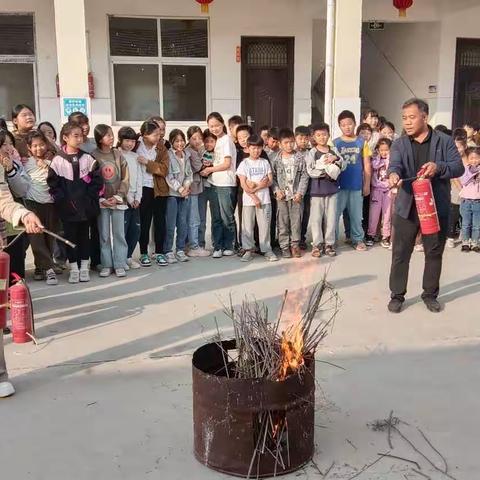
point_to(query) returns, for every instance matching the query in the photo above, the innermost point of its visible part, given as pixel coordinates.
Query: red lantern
(402, 6)
(204, 4)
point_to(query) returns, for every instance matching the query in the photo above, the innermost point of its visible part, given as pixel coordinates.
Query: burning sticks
(254, 395)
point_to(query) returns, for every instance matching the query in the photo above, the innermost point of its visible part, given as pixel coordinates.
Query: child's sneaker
(360, 247)
(475, 247)
(51, 277)
(296, 252)
(369, 241)
(133, 264)
(38, 274)
(385, 243)
(171, 258)
(74, 276)
(120, 272)
(181, 257)
(217, 254)
(247, 256)
(105, 272)
(198, 252)
(228, 253)
(271, 257)
(161, 260)
(465, 247)
(330, 251)
(316, 252)
(419, 247)
(286, 253)
(145, 261)
(84, 275)
(6, 389)
(450, 242)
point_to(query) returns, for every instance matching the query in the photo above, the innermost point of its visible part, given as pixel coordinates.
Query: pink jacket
(471, 183)
(379, 174)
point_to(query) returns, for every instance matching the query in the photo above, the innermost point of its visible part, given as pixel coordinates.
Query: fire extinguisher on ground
(425, 203)
(20, 303)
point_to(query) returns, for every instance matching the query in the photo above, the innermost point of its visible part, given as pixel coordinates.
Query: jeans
(406, 230)
(352, 200)
(223, 217)
(204, 199)
(470, 211)
(113, 254)
(177, 211)
(132, 229)
(193, 222)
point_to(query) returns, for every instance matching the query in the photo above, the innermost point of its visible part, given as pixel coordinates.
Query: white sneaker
(133, 264)
(181, 257)
(105, 272)
(228, 253)
(199, 252)
(84, 275)
(6, 389)
(120, 272)
(51, 277)
(127, 268)
(217, 254)
(171, 258)
(74, 276)
(247, 256)
(450, 242)
(271, 257)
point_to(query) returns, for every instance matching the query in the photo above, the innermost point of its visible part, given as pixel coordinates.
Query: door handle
(250, 120)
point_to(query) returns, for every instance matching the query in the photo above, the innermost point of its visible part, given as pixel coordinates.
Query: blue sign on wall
(70, 105)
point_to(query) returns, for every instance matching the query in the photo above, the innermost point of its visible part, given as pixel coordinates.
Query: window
(159, 67)
(17, 62)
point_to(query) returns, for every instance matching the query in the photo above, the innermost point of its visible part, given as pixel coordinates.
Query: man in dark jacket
(435, 153)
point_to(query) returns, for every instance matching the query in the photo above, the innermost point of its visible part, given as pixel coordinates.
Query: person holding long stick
(16, 214)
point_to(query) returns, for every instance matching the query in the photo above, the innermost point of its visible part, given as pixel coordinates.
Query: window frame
(25, 59)
(160, 61)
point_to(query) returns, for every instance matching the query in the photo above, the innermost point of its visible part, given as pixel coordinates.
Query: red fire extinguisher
(4, 278)
(21, 312)
(425, 203)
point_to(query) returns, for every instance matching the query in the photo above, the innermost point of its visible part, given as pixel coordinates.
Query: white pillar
(71, 50)
(347, 59)
(329, 61)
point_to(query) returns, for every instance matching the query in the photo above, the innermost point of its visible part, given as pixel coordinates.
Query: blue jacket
(449, 165)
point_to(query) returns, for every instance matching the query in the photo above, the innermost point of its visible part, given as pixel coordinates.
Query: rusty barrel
(226, 412)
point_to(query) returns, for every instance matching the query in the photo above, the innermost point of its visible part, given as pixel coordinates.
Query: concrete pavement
(107, 392)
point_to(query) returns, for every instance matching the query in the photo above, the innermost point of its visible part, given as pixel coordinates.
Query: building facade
(277, 62)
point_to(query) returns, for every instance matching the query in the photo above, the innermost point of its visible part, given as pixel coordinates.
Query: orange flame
(291, 350)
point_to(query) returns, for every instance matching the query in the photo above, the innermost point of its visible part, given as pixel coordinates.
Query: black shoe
(432, 304)
(6, 331)
(465, 248)
(395, 305)
(476, 249)
(286, 253)
(369, 241)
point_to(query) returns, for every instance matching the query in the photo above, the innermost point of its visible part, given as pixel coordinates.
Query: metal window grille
(267, 55)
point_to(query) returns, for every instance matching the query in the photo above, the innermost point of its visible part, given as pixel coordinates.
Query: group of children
(104, 195)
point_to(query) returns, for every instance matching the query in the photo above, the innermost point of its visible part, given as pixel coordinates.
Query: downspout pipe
(329, 62)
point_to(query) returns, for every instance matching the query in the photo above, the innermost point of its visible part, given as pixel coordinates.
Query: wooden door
(467, 82)
(267, 81)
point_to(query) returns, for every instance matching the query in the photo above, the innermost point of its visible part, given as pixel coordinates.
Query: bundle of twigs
(259, 341)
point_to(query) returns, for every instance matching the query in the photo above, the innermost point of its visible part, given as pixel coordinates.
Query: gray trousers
(289, 223)
(263, 216)
(3, 367)
(323, 213)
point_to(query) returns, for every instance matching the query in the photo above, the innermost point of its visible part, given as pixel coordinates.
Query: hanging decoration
(402, 6)
(204, 4)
